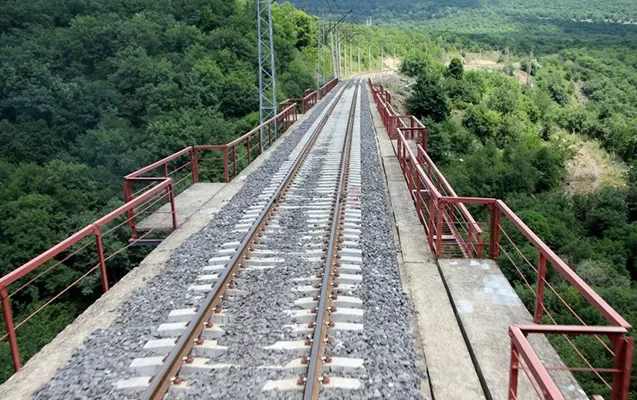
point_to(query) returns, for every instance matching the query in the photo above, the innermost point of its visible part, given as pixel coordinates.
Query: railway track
(320, 186)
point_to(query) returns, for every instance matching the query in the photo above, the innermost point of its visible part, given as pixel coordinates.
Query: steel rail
(316, 361)
(168, 374)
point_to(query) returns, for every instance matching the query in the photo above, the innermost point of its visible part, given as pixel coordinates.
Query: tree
(597, 273)
(482, 122)
(455, 70)
(415, 65)
(505, 98)
(239, 95)
(601, 211)
(428, 99)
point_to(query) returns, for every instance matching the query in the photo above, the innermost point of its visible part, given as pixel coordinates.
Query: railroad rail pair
(169, 373)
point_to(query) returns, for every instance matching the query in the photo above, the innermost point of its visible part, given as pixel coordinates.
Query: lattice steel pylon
(267, 72)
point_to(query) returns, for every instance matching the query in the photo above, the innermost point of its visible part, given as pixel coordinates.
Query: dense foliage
(420, 10)
(92, 90)
(504, 139)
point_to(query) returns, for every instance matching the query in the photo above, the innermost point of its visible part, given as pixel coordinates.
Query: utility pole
(529, 69)
(369, 57)
(393, 63)
(333, 54)
(337, 51)
(335, 45)
(319, 51)
(267, 71)
(351, 63)
(359, 58)
(323, 52)
(382, 57)
(344, 55)
(507, 67)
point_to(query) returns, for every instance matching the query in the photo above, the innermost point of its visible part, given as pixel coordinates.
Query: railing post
(480, 246)
(424, 138)
(102, 259)
(441, 206)
(130, 214)
(173, 210)
(248, 148)
(494, 237)
(622, 364)
(8, 321)
(541, 282)
(234, 161)
(513, 373)
(194, 164)
(410, 175)
(226, 167)
(431, 220)
(418, 195)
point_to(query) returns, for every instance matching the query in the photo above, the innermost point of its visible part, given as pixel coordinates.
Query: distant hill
(414, 10)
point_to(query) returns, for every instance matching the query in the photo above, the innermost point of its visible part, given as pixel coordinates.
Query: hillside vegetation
(420, 10)
(92, 90)
(493, 136)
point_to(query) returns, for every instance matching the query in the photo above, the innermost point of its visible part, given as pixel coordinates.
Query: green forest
(495, 136)
(423, 10)
(92, 90)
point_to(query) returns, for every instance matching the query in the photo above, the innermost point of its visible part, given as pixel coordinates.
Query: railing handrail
(463, 208)
(31, 265)
(535, 366)
(421, 173)
(291, 104)
(521, 348)
(583, 288)
(258, 128)
(157, 164)
(572, 329)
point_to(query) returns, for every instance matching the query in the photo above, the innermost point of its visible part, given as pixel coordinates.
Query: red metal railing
(449, 227)
(87, 243)
(410, 126)
(145, 191)
(218, 162)
(524, 257)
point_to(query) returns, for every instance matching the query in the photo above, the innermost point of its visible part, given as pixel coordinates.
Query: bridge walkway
(463, 306)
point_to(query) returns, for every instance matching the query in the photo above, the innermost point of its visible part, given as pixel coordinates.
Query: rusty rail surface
(316, 360)
(442, 211)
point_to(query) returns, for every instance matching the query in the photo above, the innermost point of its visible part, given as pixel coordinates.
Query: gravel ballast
(386, 342)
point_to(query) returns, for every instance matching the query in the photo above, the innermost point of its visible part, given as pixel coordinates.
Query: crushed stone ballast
(273, 299)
